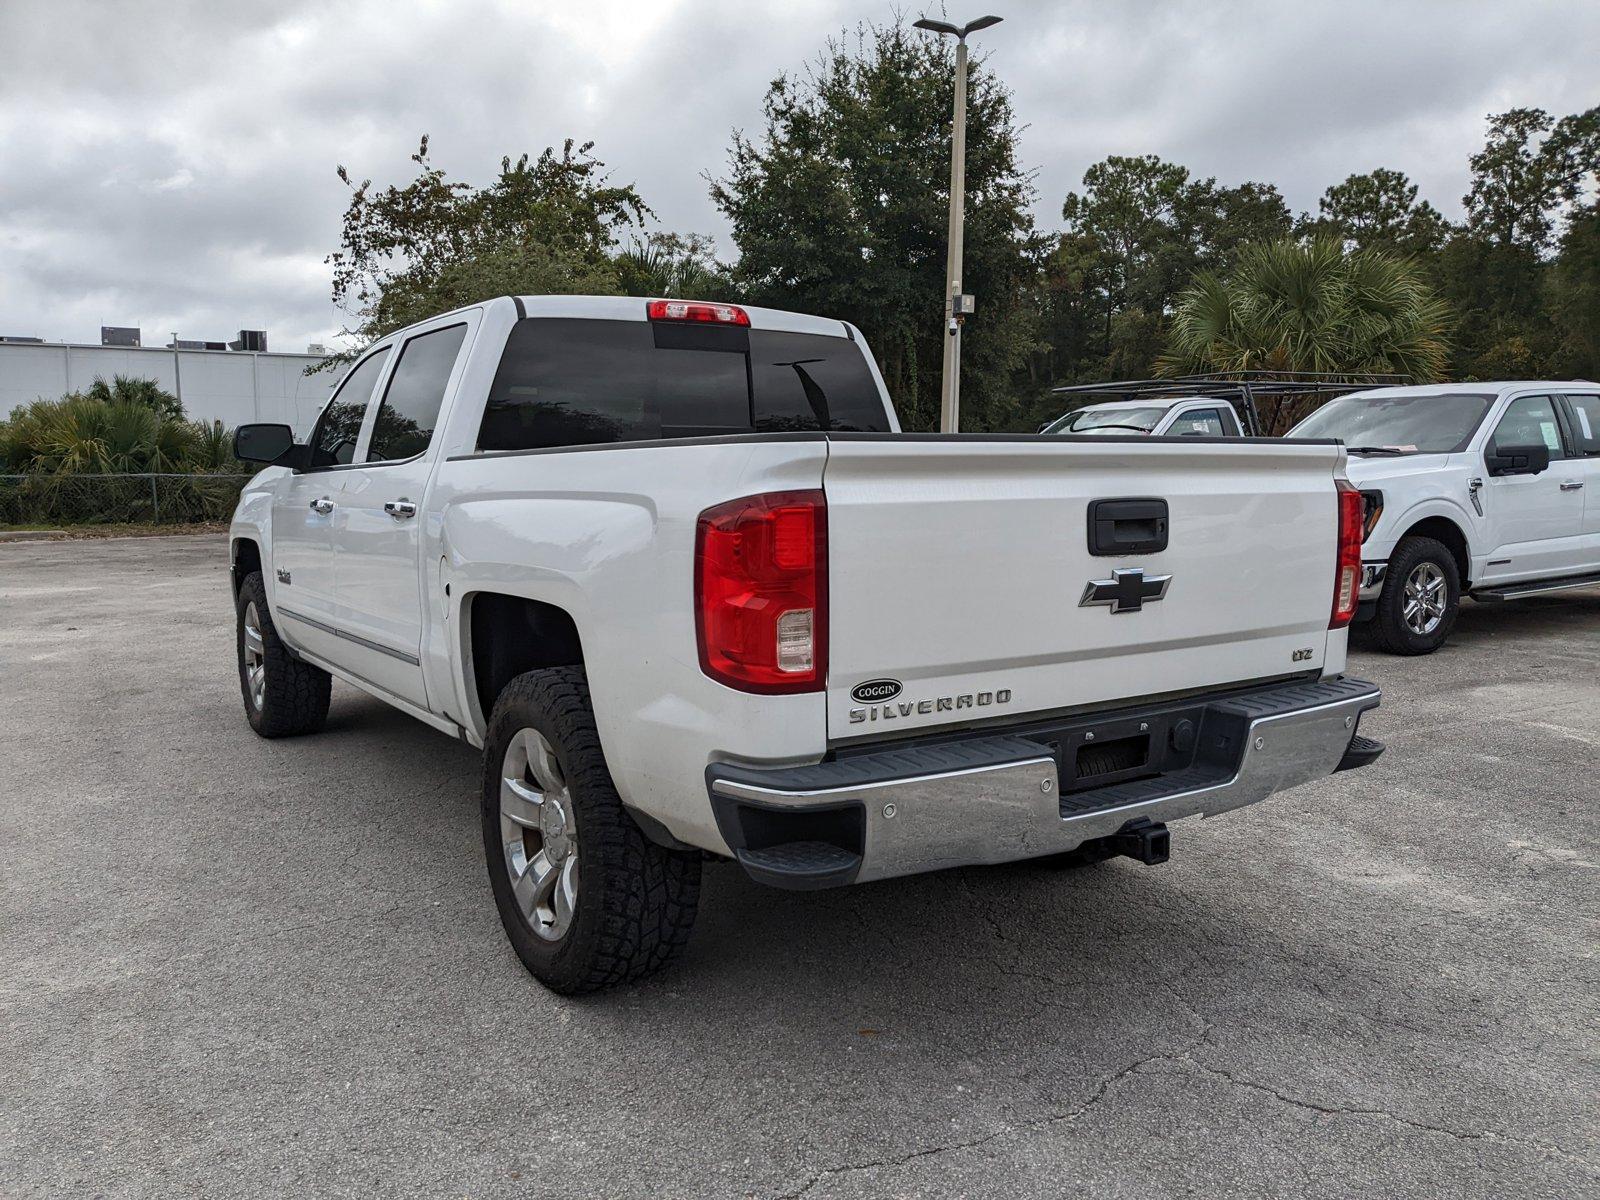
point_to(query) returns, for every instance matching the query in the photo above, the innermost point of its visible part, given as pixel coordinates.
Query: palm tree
(670, 265)
(80, 434)
(1310, 306)
(126, 389)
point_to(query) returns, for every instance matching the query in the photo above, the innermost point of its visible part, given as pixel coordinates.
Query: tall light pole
(957, 305)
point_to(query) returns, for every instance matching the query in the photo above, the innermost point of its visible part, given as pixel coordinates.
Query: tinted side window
(805, 381)
(1206, 421)
(334, 440)
(410, 407)
(1529, 421)
(577, 382)
(1586, 415)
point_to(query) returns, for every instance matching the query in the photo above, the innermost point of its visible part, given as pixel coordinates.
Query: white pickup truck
(1152, 416)
(672, 566)
(1488, 490)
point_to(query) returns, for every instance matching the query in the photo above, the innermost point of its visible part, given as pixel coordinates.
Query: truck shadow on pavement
(997, 955)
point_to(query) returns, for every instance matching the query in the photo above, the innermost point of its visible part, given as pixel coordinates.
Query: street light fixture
(957, 305)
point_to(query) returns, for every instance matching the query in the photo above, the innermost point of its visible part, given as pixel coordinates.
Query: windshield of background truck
(1108, 420)
(1441, 424)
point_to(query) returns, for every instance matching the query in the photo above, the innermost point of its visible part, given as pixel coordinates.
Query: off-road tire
(1388, 629)
(295, 697)
(636, 900)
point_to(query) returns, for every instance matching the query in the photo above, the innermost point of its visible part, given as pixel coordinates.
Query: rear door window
(574, 382)
(1586, 419)
(410, 409)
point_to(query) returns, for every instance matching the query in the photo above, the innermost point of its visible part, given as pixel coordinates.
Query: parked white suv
(1488, 490)
(673, 568)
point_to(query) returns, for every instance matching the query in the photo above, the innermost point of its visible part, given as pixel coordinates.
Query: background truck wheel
(1420, 598)
(585, 898)
(282, 695)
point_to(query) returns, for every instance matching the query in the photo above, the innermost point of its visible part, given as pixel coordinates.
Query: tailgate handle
(1120, 527)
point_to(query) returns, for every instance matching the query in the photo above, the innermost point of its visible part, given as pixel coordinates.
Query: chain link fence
(118, 499)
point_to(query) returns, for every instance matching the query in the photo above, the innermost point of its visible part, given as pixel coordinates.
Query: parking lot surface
(235, 967)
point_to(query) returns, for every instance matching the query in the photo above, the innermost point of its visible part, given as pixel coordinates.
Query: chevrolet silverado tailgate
(963, 585)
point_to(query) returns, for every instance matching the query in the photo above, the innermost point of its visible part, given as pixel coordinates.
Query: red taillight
(697, 310)
(761, 592)
(1347, 574)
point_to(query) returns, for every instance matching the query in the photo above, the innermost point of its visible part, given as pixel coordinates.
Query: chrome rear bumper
(996, 798)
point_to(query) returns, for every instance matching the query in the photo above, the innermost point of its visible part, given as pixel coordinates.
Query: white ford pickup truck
(1154, 416)
(1488, 490)
(674, 568)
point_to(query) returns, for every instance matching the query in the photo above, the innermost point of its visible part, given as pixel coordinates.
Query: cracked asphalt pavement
(233, 967)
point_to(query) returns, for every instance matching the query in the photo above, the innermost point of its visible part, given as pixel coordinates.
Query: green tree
(84, 434)
(1574, 298)
(146, 393)
(1573, 283)
(1130, 209)
(1310, 306)
(1219, 221)
(1146, 228)
(670, 264)
(839, 207)
(1380, 211)
(544, 225)
(1515, 185)
(1519, 314)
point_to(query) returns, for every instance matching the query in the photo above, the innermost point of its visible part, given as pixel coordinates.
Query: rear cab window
(580, 382)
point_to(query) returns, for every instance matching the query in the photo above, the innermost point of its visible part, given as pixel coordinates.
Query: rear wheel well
(1446, 531)
(246, 558)
(512, 634)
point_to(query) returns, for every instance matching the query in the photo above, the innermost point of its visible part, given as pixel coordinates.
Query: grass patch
(83, 533)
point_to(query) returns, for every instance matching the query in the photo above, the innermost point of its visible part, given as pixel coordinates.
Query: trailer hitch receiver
(1145, 840)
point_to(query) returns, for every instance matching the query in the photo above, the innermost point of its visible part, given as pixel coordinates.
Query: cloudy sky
(171, 165)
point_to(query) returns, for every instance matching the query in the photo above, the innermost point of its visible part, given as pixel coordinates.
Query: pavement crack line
(1340, 1111)
(1069, 1117)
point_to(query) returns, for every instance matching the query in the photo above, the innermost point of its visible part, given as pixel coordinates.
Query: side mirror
(262, 443)
(1531, 459)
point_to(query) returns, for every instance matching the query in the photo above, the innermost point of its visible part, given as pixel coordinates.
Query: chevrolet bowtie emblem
(1125, 591)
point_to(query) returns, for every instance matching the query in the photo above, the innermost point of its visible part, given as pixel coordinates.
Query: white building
(231, 386)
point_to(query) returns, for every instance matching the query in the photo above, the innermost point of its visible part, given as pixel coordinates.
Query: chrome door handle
(323, 506)
(400, 510)
(1571, 485)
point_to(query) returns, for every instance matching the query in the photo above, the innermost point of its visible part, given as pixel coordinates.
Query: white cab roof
(1488, 387)
(1152, 402)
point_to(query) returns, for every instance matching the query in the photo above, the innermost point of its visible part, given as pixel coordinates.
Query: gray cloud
(171, 164)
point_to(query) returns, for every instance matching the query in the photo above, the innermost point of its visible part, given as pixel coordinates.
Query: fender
(489, 545)
(1394, 524)
(252, 521)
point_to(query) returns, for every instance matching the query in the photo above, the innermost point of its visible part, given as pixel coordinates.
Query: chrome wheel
(539, 834)
(1426, 596)
(255, 657)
